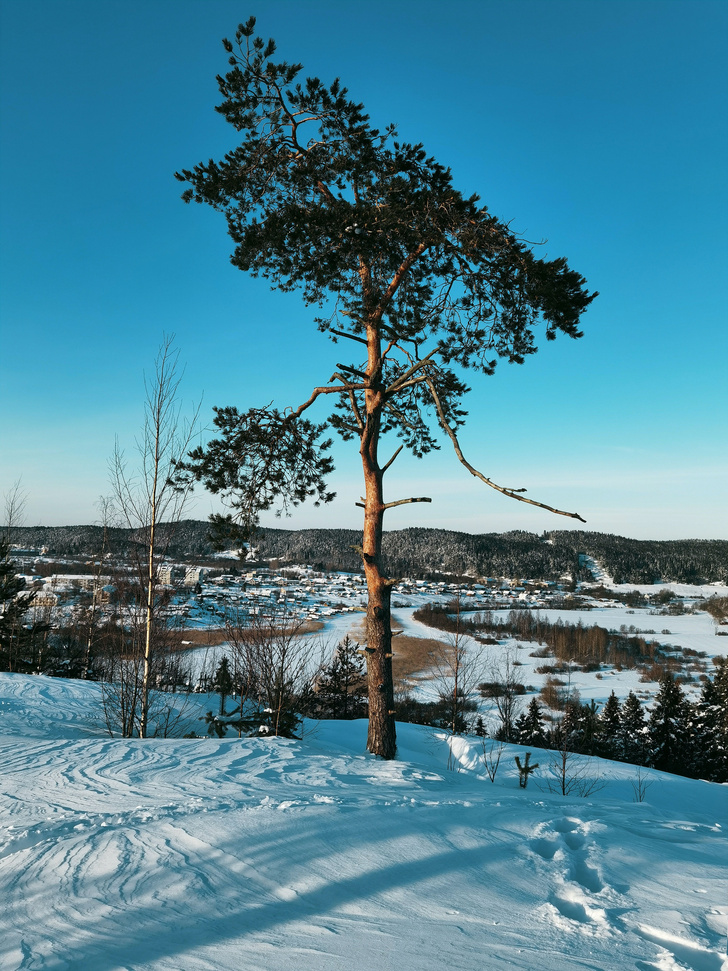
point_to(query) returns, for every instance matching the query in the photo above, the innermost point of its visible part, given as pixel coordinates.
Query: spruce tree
(342, 686)
(720, 685)
(223, 682)
(576, 732)
(633, 737)
(707, 729)
(15, 601)
(669, 739)
(588, 728)
(608, 728)
(530, 726)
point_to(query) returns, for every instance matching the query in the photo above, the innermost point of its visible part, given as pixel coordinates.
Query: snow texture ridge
(252, 854)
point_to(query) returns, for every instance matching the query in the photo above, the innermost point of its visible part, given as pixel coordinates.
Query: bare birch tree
(14, 503)
(149, 499)
(273, 661)
(457, 669)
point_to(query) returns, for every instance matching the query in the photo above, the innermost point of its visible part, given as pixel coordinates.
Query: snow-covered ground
(264, 854)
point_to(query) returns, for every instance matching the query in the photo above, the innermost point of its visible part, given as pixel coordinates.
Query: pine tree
(576, 732)
(588, 727)
(479, 729)
(530, 727)
(223, 682)
(720, 684)
(422, 282)
(342, 687)
(707, 728)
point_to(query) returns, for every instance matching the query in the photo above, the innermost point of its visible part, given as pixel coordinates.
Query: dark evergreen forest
(422, 553)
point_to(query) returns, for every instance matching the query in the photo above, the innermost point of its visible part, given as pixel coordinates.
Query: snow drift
(268, 854)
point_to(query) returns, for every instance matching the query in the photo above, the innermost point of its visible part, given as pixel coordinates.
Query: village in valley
(199, 604)
(199, 596)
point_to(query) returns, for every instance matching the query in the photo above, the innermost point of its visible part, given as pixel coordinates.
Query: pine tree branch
(392, 459)
(404, 502)
(404, 379)
(327, 389)
(511, 493)
(400, 274)
(351, 337)
(397, 502)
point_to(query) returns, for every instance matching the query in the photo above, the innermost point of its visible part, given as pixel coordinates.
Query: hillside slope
(420, 552)
(239, 855)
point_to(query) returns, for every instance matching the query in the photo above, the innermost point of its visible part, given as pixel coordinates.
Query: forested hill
(648, 561)
(422, 552)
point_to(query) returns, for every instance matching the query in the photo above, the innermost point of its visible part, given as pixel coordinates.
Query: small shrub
(495, 689)
(551, 693)
(525, 770)
(542, 652)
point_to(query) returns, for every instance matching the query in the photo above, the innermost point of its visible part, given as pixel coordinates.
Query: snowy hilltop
(264, 854)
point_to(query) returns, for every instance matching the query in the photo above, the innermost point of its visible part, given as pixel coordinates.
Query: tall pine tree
(420, 282)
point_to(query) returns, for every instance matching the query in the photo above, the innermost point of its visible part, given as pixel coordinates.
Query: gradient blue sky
(599, 125)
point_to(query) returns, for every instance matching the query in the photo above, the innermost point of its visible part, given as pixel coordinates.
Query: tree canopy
(424, 283)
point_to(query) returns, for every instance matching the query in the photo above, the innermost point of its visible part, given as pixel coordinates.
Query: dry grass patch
(201, 637)
(192, 637)
(411, 655)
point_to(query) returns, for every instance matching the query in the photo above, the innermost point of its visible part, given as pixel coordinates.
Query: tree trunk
(150, 577)
(148, 633)
(382, 738)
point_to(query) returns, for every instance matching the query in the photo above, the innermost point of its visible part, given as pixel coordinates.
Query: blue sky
(601, 127)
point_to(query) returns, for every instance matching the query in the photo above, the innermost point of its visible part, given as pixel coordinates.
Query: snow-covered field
(259, 855)
(696, 631)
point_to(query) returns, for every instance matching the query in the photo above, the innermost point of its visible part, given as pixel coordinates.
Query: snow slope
(277, 855)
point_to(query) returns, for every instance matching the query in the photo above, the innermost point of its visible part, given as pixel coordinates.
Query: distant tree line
(423, 553)
(650, 561)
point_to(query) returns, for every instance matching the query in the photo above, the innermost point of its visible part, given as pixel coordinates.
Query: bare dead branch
(392, 459)
(353, 370)
(403, 502)
(511, 493)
